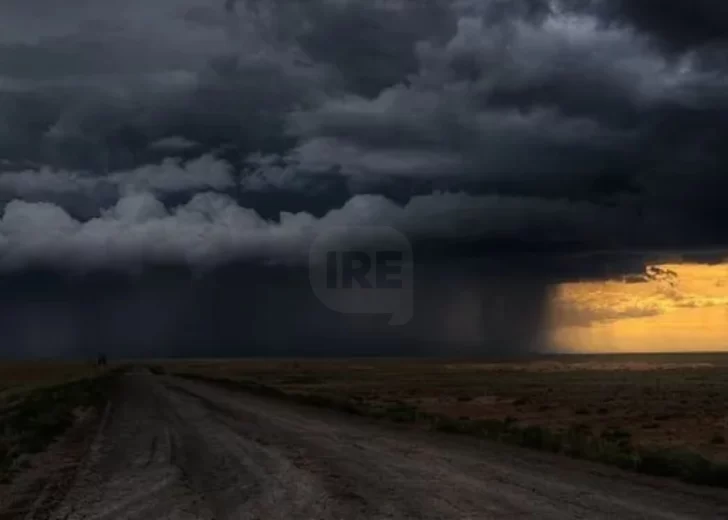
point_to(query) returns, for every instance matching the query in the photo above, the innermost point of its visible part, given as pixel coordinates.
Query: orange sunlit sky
(685, 308)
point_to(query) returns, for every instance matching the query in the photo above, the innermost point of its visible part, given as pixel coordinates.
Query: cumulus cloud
(612, 106)
(171, 175)
(212, 228)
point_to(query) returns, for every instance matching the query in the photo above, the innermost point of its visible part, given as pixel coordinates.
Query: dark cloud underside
(199, 132)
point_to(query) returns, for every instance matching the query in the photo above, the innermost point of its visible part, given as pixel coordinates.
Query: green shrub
(687, 466)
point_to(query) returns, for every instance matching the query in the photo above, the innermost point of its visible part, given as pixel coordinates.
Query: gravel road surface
(171, 448)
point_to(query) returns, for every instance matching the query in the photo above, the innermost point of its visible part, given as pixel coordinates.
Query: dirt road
(177, 449)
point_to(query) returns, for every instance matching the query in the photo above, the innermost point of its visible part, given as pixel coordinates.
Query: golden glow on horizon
(681, 313)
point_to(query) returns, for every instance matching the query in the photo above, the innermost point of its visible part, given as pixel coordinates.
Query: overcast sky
(198, 131)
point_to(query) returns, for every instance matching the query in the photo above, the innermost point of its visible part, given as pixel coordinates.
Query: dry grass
(19, 376)
(39, 401)
(627, 404)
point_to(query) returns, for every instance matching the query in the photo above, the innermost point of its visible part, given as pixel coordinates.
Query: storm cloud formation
(200, 133)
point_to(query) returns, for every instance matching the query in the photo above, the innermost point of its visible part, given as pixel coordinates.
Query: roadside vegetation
(34, 412)
(20, 376)
(658, 415)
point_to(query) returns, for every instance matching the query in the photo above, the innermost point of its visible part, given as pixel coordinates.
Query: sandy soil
(178, 449)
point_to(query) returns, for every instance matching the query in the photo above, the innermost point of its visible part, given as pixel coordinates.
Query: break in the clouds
(603, 110)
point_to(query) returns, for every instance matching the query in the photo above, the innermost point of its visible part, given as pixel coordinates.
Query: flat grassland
(659, 414)
(19, 376)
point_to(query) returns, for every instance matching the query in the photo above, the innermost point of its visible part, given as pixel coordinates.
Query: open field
(19, 376)
(659, 414)
(174, 447)
(231, 439)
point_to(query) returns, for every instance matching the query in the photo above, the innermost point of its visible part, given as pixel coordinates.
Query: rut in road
(178, 449)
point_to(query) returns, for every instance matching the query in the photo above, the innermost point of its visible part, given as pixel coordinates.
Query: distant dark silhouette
(101, 360)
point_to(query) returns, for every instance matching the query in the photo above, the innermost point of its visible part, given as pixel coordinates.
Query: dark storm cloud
(245, 309)
(210, 227)
(569, 102)
(514, 134)
(678, 25)
(543, 97)
(371, 45)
